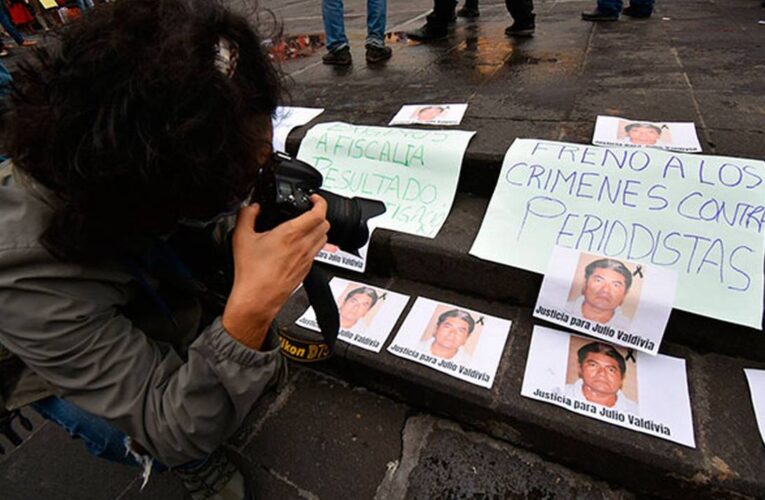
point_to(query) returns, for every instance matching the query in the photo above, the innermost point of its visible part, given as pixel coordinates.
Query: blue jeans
(615, 6)
(8, 26)
(101, 438)
(334, 24)
(84, 5)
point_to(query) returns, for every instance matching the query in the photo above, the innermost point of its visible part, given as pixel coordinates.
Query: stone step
(728, 459)
(445, 262)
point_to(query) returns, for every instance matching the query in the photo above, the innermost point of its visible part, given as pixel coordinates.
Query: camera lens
(348, 219)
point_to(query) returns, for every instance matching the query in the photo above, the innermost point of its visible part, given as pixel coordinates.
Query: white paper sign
(702, 216)
(622, 302)
(462, 343)
(414, 172)
(671, 136)
(430, 114)
(644, 393)
(756, 379)
(288, 117)
(367, 313)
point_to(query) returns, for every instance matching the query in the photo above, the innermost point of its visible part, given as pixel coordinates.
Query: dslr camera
(283, 188)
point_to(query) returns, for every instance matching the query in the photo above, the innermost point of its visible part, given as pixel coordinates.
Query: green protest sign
(702, 216)
(414, 172)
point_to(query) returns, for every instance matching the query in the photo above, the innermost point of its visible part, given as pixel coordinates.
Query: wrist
(247, 327)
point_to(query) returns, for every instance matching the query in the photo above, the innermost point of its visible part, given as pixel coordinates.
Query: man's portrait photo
(429, 114)
(451, 334)
(356, 307)
(600, 373)
(644, 133)
(599, 290)
(623, 302)
(671, 136)
(614, 384)
(367, 313)
(452, 339)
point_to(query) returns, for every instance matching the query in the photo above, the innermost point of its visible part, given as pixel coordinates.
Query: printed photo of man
(601, 370)
(643, 134)
(606, 284)
(355, 306)
(453, 329)
(427, 114)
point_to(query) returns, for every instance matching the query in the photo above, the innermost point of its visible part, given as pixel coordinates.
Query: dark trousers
(443, 11)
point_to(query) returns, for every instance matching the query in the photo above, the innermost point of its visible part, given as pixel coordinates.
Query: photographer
(147, 117)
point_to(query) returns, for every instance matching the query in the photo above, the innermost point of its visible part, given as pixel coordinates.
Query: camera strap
(319, 293)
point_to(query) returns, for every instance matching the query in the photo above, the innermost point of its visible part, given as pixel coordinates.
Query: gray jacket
(83, 335)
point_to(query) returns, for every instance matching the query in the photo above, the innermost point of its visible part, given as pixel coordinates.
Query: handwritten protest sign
(644, 393)
(702, 216)
(367, 313)
(288, 117)
(414, 172)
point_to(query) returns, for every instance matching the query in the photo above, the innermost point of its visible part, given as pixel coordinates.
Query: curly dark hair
(130, 124)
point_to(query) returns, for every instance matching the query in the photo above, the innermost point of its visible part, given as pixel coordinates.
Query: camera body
(283, 188)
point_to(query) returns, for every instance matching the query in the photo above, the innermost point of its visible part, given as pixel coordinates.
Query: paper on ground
(367, 313)
(756, 379)
(671, 136)
(288, 117)
(655, 402)
(699, 215)
(639, 298)
(475, 361)
(414, 172)
(430, 114)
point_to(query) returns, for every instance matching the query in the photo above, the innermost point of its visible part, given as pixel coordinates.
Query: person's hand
(268, 267)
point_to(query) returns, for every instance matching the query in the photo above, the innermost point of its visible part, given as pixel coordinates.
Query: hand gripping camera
(283, 188)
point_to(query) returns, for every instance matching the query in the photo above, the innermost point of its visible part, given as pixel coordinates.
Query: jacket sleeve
(64, 322)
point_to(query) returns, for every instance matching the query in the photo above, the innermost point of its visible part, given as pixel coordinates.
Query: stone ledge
(727, 461)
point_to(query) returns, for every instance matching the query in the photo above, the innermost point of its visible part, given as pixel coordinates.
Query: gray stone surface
(453, 463)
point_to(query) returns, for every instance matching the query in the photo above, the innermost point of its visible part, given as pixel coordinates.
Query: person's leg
(376, 12)
(606, 10)
(639, 8)
(375, 42)
(469, 9)
(38, 11)
(437, 23)
(610, 6)
(9, 27)
(522, 12)
(334, 25)
(100, 438)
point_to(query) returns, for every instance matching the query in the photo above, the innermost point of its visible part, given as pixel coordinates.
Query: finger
(308, 220)
(319, 205)
(245, 219)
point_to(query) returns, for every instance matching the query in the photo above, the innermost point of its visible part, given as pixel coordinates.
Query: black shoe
(636, 13)
(376, 54)
(339, 57)
(469, 12)
(520, 29)
(599, 15)
(427, 33)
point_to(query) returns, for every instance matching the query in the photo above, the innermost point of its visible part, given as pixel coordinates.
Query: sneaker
(218, 478)
(599, 15)
(520, 29)
(469, 12)
(636, 13)
(427, 33)
(376, 54)
(28, 43)
(339, 57)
